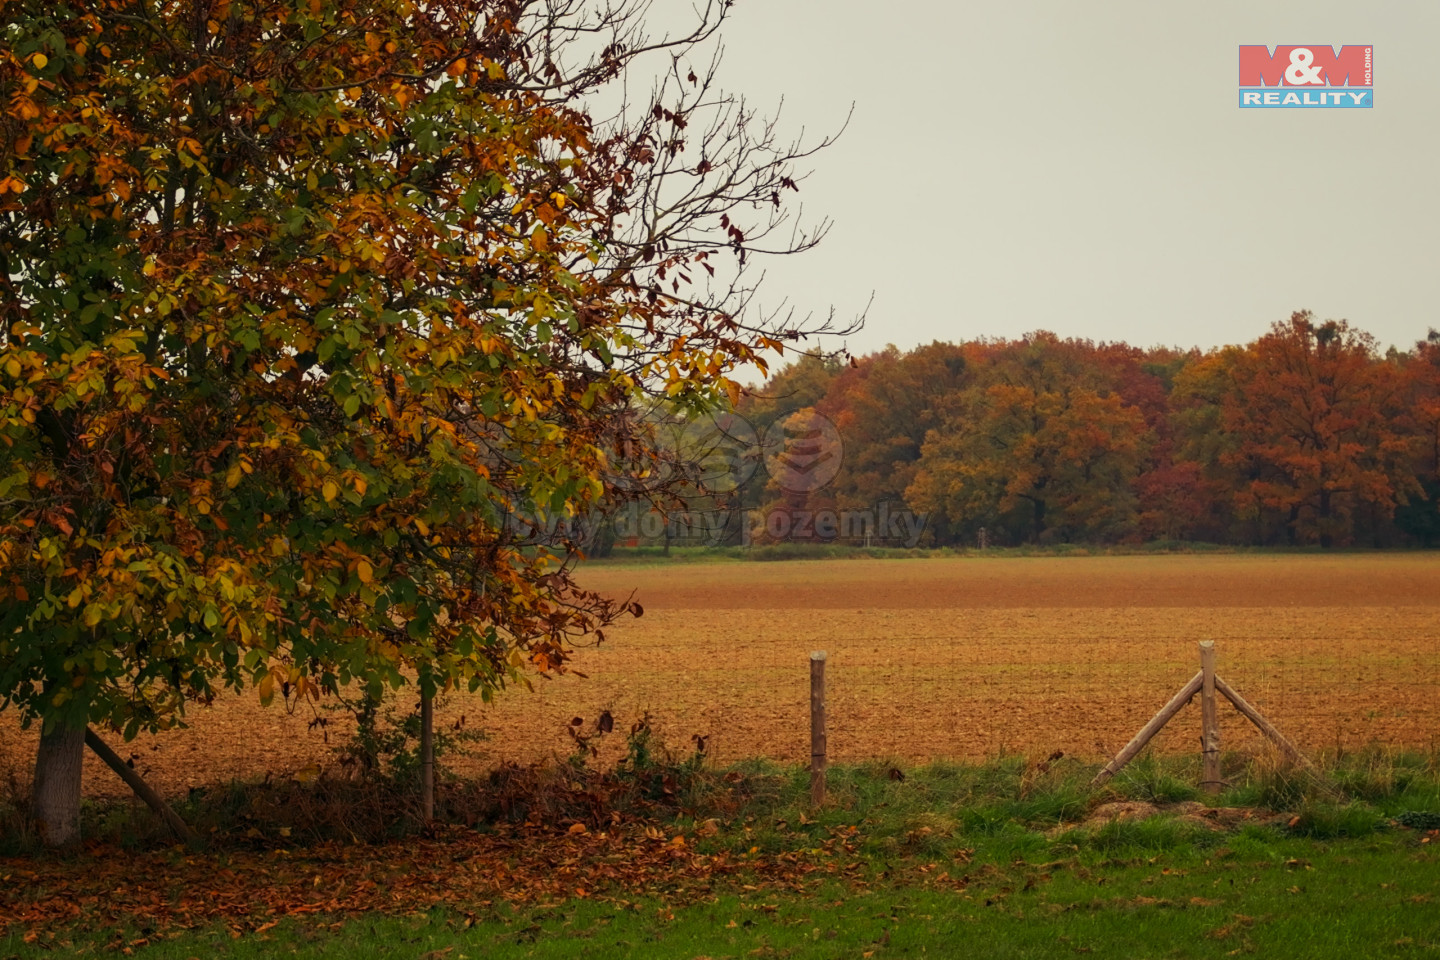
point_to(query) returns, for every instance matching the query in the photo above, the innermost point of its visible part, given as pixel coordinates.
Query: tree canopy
(325, 321)
(1310, 434)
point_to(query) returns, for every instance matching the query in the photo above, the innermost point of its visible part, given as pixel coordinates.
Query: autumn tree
(1316, 416)
(1040, 446)
(884, 406)
(1205, 469)
(797, 385)
(320, 321)
(1420, 514)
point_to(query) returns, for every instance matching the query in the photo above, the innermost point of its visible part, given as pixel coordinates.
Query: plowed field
(929, 658)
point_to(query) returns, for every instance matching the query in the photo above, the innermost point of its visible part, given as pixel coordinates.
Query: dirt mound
(1187, 812)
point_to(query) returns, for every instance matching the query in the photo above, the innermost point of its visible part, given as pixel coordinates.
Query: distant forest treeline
(1308, 435)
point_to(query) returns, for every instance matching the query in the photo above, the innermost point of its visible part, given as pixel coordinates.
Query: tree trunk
(1037, 518)
(56, 797)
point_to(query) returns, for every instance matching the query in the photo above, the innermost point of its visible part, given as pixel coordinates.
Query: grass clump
(1150, 780)
(1329, 821)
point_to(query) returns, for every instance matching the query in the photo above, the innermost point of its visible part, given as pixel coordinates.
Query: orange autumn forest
(1308, 435)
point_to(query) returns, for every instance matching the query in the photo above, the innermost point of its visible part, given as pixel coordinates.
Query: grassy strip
(1016, 852)
(1262, 893)
(761, 804)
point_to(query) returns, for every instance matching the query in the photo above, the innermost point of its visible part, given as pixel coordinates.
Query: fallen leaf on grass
(248, 890)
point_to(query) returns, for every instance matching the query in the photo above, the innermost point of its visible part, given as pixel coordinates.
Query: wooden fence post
(1263, 725)
(1209, 720)
(817, 728)
(1186, 694)
(142, 789)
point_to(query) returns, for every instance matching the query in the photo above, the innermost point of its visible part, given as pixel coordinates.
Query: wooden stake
(427, 756)
(1209, 720)
(1149, 730)
(1263, 725)
(817, 728)
(142, 789)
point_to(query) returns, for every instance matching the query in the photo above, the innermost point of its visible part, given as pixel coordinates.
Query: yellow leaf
(577, 828)
(12, 367)
(306, 775)
(267, 689)
(40, 60)
(330, 490)
(364, 571)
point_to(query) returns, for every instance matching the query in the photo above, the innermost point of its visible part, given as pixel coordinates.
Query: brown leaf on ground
(251, 890)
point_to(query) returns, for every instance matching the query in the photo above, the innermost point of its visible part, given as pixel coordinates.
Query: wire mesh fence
(950, 695)
(927, 660)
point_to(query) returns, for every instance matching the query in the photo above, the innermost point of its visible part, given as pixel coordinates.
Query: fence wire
(927, 660)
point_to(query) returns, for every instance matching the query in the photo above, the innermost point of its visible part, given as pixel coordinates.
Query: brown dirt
(957, 658)
(1189, 812)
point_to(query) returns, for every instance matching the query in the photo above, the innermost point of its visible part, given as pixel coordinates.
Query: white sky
(1084, 168)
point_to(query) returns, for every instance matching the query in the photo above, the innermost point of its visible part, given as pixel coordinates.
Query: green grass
(946, 860)
(1262, 894)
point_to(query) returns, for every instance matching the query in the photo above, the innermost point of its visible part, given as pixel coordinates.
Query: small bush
(1419, 819)
(386, 743)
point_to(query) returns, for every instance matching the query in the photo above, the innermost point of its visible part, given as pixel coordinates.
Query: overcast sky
(1085, 168)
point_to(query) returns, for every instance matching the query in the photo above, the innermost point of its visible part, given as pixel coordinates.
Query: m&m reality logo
(1313, 75)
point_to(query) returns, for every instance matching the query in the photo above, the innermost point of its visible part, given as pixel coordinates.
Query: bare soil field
(962, 658)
